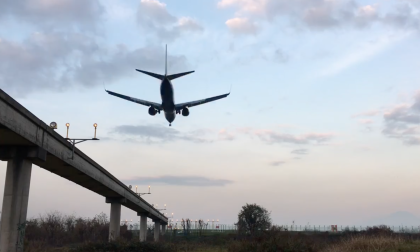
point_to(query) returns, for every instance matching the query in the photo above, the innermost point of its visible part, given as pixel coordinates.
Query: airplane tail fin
(166, 60)
(162, 77)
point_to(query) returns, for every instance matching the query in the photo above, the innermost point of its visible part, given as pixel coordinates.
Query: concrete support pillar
(15, 204)
(114, 222)
(163, 229)
(157, 230)
(143, 227)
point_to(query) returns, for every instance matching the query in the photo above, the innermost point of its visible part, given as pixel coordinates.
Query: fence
(343, 228)
(176, 226)
(290, 228)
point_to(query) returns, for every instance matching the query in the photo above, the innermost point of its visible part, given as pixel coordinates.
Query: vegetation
(253, 219)
(57, 232)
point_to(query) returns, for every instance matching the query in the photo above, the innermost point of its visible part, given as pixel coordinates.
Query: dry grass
(374, 244)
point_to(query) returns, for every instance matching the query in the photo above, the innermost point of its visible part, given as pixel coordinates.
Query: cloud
(120, 62)
(57, 61)
(151, 133)
(241, 26)
(364, 52)
(196, 181)
(365, 121)
(154, 18)
(404, 16)
(403, 122)
(226, 135)
(189, 24)
(277, 163)
(323, 14)
(300, 152)
(272, 137)
(49, 13)
(64, 53)
(368, 113)
(155, 12)
(116, 10)
(280, 56)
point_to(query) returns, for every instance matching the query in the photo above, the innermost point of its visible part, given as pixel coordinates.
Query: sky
(322, 125)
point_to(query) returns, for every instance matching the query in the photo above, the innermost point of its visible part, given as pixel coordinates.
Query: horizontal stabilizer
(157, 76)
(174, 76)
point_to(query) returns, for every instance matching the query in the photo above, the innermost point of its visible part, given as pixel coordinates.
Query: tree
(253, 218)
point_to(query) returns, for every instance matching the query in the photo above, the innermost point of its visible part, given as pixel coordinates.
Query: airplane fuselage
(168, 101)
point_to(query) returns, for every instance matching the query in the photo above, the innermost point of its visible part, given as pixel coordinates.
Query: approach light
(95, 125)
(53, 125)
(67, 125)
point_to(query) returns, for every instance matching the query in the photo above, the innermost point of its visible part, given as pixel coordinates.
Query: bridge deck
(19, 127)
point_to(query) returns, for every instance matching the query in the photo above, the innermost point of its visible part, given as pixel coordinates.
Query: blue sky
(322, 125)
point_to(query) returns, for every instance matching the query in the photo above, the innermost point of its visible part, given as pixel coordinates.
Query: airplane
(167, 94)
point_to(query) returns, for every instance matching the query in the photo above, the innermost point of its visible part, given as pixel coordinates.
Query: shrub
(379, 230)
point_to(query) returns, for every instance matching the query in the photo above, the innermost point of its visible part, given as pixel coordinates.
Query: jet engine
(152, 111)
(185, 112)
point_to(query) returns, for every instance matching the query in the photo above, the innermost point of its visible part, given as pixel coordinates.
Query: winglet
(166, 60)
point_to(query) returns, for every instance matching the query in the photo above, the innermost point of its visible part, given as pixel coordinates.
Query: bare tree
(186, 226)
(201, 225)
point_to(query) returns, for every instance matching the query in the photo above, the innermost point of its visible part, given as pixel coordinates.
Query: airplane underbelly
(170, 116)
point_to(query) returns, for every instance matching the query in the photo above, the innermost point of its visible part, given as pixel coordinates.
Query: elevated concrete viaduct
(26, 140)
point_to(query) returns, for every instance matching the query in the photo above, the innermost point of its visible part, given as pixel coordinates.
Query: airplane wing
(142, 102)
(199, 102)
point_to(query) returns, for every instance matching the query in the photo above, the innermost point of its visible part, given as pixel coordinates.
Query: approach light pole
(212, 222)
(170, 220)
(162, 209)
(126, 221)
(155, 206)
(73, 141)
(139, 194)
